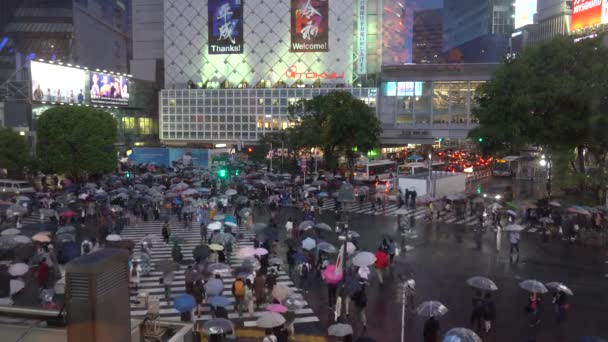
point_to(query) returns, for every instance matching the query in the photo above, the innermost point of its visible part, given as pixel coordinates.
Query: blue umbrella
(323, 194)
(415, 158)
(184, 303)
(299, 257)
(214, 287)
(218, 301)
(229, 218)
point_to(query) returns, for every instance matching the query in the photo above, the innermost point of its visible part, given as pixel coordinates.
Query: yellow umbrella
(216, 247)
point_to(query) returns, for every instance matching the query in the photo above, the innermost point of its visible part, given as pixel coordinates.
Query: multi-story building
(148, 40)
(477, 31)
(552, 18)
(427, 36)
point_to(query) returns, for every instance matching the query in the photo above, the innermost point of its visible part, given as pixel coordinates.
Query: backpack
(239, 288)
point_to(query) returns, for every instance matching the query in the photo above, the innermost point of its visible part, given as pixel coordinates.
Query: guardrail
(477, 175)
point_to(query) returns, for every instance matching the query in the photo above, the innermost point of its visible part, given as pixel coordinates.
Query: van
(8, 186)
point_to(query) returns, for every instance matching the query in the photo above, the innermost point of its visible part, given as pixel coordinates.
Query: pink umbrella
(67, 213)
(261, 251)
(276, 308)
(280, 292)
(331, 276)
(245, 252)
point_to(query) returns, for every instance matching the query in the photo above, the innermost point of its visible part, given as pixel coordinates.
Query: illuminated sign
(309, 25)
(292, 72)
(56, 83)
(586, 13)
(108, 89)
(362, 37)
(409, 88)
(225, 27)
(524, 12)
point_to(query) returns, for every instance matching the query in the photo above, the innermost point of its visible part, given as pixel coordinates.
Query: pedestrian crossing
(151, 283)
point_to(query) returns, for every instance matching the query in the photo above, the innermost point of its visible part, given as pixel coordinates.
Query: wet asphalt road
(444, 256)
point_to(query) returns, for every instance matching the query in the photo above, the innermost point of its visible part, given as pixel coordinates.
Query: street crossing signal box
(97, 297)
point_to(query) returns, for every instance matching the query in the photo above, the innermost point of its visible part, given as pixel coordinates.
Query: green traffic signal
(222, 173)
(480, 139)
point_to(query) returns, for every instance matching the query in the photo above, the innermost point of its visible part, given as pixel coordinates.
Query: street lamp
(546, 162)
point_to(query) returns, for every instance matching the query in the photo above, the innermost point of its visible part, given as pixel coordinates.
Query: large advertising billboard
(586, 13)
(309, 25)
(56, 83)
(225, 27)
(107, 89)
(524, 12)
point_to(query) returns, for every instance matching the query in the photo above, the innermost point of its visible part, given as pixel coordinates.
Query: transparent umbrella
(270, 320)
(461, 335)
(482, 283)
(340, 330)
(431, 308)
(533, 286)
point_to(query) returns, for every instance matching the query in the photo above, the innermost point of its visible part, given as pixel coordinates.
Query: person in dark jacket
(477, 312)
(431, 330)
(489, 312)
(198, 292)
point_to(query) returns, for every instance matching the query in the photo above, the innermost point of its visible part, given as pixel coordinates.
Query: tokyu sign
(292, 72)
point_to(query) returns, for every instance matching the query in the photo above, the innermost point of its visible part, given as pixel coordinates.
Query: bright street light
(543, 162)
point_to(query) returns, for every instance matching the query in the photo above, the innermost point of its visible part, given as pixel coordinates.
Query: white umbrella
(214, 226)
(514, 228)
(431, 308)
(113, 237)
(270, 320)
(230, 192)
(308, 244)
(16, 285)
(261, 251)
(190, 192)
(461, 335)
(350, 248)
(246, 252)
(18, 269)
(401, 211)
(511, 212)
(560, 287)
(22, 239)
(364, 259)
(555, 204)
(10, 231)
(533, 286)
(482, 283)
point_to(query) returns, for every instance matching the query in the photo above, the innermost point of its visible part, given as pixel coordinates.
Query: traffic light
(480, 139)
(128, 174)
(440, 140)
(478, 188)
(222, 173)
(249, 149)
(236, 172)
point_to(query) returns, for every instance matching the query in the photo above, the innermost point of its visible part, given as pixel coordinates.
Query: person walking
(489, 312)
(167, 281)
(360, 300)
(410, 294)
(166, 232)
(392, 249)
(476, 319)
(514, 238)
(238, 291)
(289, 226)
(259, 286)
(188, 280)
(332, 291)
(380, 264)
(42, 274)
(198, 292)
(431, 330)
(533, 308)
(249, 297)
(560, 301)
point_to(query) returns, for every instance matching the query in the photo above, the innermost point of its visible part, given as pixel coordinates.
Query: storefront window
(441, 105)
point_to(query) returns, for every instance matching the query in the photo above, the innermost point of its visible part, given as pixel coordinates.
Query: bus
(415, 169)
(505, 167)
(381, 169)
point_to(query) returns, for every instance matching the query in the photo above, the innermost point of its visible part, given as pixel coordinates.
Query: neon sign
(292, 72)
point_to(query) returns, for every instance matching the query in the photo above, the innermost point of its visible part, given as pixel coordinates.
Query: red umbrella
(381, 260)
(67, 213)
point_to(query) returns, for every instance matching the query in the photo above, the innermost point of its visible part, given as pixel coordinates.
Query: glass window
(441, 103)
(458, 102)
(422, 104)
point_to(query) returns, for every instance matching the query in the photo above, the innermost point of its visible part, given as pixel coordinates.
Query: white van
(9, 186)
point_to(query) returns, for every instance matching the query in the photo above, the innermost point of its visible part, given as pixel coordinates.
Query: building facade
(477, 31)
(420, 103)
(427, 37)
(552, 19)
(148, 40)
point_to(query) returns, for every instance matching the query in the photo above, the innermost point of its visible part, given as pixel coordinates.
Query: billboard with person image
(108, 89)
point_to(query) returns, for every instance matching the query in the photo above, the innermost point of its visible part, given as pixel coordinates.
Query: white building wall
(267, 39)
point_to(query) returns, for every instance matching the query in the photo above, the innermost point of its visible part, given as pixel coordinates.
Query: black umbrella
(292, 243)
(201, 252)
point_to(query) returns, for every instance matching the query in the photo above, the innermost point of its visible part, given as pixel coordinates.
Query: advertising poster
(587, 13)
(56, 83)
(309, 25)
(109, 89)
(225, 27)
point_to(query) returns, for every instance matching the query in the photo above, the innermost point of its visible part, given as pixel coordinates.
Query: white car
(16, 187)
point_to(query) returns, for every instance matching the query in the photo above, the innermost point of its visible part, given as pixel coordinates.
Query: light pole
(546, 162)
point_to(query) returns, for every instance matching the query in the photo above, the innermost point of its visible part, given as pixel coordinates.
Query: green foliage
(78, 141)
(335, 123)
(552, 96)
(15, 154)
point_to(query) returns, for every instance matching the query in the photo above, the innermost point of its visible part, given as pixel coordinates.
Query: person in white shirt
(514, 239)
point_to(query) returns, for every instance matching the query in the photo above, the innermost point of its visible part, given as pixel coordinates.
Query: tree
(553, 96)
(335, 123)
(15, 156)
(78, 141)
